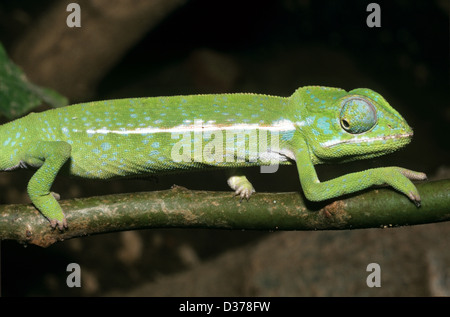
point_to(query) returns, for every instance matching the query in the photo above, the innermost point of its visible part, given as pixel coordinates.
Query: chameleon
(158, 135)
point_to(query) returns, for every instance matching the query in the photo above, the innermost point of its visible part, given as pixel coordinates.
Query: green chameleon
(158, 135)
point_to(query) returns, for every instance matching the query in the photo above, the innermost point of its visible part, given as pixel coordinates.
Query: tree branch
(182, 208)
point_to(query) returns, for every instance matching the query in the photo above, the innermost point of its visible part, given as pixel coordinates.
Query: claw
(58, 223)
(415, 198)
(244, 193)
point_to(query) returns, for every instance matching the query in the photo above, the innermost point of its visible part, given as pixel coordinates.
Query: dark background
(205, 46)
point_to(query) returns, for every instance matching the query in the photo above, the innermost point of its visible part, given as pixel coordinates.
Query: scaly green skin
(127, 137)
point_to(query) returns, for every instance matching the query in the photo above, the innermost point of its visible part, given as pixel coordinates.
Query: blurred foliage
(18, 95)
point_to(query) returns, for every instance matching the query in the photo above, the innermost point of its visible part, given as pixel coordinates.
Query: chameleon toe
(415, 198)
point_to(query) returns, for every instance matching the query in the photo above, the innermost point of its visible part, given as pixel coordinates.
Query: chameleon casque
(157, 135)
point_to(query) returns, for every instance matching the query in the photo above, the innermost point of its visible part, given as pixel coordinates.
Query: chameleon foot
(399, 178)
(241, 186)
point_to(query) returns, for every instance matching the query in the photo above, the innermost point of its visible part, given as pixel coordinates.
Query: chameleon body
(157, 135)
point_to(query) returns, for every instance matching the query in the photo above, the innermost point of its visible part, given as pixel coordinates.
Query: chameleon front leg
(49, 156)
(314, 190)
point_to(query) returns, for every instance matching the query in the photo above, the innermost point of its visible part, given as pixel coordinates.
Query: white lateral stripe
(281, 126)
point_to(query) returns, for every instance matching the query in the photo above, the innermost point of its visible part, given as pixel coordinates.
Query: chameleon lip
(333, 143)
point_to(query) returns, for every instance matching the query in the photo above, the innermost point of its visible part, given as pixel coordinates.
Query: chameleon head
(359, 124)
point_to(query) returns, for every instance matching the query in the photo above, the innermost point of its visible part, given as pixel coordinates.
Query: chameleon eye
(357, 115)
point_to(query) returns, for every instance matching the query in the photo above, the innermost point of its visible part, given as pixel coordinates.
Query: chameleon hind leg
(49, 156)
(240, 184)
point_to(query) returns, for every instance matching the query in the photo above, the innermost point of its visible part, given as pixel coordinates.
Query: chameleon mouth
(358, 140)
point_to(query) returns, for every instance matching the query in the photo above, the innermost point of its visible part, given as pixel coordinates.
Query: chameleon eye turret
(358, 115)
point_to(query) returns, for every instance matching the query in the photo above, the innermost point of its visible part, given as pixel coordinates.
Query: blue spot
(324, 125)
(105, 146)
(7, 141)
(154, 153)
(287, 136)
(155, 145)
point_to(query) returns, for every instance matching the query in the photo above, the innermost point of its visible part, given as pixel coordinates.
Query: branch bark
(182, 208)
